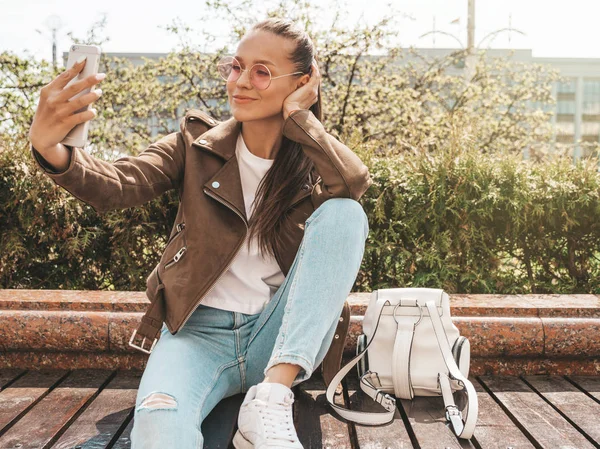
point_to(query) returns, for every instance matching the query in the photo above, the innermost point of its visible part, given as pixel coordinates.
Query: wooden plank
(35, 413)
(47, 419)
(393, 435)
(19, 396)
(317, 425)
(105, 416)
(211, 426)
(539, 421)
(591, 384)
(494, 429)
(8, 375)
(427, 418)
(124, 441)
(581, 410)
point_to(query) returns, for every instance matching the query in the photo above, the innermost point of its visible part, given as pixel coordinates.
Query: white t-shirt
(251, 280)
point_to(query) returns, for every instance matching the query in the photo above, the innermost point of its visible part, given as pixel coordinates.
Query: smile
(242, 100)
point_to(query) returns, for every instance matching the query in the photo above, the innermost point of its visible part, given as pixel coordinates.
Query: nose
(244, 79)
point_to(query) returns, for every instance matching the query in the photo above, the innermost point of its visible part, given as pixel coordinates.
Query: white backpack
(410, 347)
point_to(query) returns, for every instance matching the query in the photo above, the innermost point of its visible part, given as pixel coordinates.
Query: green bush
(469, 222)
(455, 219)
(52, 240)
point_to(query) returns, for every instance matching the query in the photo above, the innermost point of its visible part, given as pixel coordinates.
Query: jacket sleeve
(126, 182)
(343, 174)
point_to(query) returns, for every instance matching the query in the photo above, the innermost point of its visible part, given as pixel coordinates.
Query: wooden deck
(94, 409)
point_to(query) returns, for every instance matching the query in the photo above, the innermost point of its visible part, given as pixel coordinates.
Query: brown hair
(291, 166)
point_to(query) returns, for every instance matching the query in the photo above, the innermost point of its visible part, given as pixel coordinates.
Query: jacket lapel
(226, 183)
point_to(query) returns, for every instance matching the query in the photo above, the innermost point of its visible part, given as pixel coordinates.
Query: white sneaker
(265, 419)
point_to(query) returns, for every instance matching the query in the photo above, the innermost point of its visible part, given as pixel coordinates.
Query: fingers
(78, 86)
(61, 80)
(315, 78)
(82, 101)
(316, 75)
(80, 117)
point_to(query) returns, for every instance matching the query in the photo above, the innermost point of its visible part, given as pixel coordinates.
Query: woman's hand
(305, 96)
(54, 117)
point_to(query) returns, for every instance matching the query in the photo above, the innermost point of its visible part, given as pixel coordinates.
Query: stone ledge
(509, 334)
(564, 306)
(575, 306)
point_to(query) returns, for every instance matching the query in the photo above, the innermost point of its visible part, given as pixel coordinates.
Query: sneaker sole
(239, 442)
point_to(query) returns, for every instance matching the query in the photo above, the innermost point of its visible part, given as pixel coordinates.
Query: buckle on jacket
(141, 348)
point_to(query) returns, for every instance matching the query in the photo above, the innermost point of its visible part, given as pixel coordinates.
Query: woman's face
(262, 45)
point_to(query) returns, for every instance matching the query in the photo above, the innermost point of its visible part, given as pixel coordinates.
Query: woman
(264, 323)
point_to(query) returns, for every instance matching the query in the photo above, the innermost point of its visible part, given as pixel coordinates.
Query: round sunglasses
(230, 70)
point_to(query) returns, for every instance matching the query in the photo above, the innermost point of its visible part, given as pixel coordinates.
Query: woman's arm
(128, 181)
(343, 174)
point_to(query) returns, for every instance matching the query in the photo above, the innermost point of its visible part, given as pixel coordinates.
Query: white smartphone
(77, 137)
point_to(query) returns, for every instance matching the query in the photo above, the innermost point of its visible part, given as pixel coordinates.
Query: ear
(302, 81)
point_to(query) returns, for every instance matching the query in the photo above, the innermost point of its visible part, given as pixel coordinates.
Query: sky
(551, 28)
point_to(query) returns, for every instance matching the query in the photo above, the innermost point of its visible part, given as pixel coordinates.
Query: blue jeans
(220, 353)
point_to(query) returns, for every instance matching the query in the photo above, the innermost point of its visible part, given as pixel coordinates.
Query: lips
(242, 97)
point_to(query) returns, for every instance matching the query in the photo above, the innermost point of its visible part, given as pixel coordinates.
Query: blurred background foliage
(454, 205)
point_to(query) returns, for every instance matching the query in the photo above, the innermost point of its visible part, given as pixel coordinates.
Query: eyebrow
(262, 61)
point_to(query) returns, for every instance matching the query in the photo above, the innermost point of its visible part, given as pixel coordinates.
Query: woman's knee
(344, 211)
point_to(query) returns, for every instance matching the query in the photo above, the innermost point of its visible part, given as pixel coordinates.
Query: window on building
(565, 106)
(565, 128)
(567, 86)
(591, 96)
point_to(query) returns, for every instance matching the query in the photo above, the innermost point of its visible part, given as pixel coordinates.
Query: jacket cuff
(47, 167)
(342, 172)
(290, 128)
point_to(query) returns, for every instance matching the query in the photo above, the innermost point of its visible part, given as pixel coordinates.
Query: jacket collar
(226, 182)
(221, 139)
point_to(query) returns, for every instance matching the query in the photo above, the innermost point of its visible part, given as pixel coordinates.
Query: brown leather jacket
(211, 224)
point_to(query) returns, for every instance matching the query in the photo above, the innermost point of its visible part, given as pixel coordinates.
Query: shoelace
(277, 419)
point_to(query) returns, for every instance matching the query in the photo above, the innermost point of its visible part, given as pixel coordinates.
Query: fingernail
(100, 76)
(81, 59)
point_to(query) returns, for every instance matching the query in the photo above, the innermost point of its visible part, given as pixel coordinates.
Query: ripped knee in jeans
(158, 401)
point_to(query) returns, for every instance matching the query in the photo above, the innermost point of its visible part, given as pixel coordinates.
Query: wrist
(44, 149)
(289, 111)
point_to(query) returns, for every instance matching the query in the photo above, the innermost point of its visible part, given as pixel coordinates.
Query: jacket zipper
(179, 228)
(308, 193)
(289, 207)
(177, 256)
(181, 252)
(228, 264)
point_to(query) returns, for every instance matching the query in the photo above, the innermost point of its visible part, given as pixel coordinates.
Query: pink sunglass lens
(226, 70)
(261, 77)
(229, 69)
